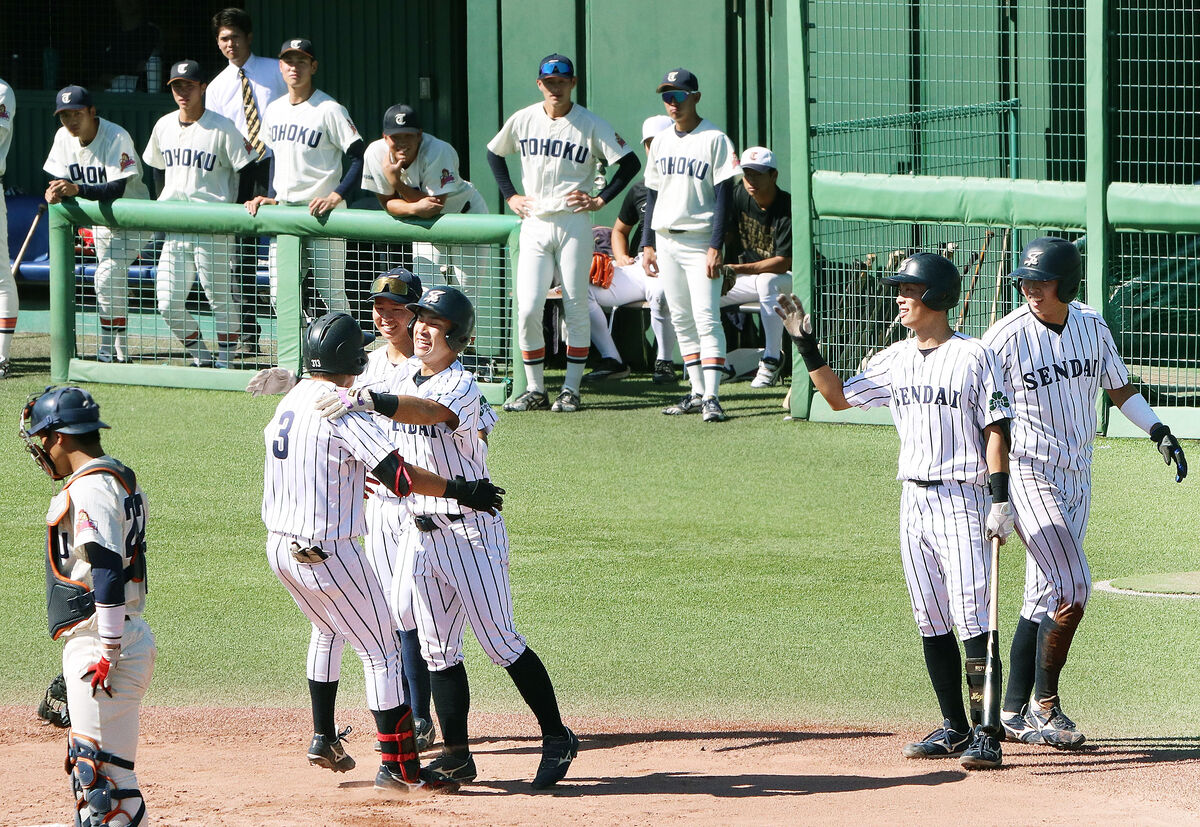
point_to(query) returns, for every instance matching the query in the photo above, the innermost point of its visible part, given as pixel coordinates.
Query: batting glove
(97, 674)
(478, 494)
(270, 381)
(999, 522)
(341, 401)
(799, 327)
(1170, 448)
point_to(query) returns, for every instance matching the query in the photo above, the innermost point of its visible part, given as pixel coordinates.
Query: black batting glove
(1170, 448)
(799, 327)
(480, 495)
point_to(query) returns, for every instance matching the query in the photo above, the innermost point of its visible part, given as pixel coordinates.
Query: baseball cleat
(567, 402)
(688, 404)
(425, 733)
(5, 368)
(712, 410)
(607, 369)
(1017, 727)
(447, 772)
(329, 753)
(1056, 729)
(768, 373)
(528, 401)
(388, 781)
(984, 752)
(557, 755)
(943, 742)
(664, 373)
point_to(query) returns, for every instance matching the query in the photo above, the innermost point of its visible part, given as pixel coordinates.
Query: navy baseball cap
(300, 45)
(398, 284)
(400, 118)
(72, 97)
(556, 65)
(679, 79)
(186, 70)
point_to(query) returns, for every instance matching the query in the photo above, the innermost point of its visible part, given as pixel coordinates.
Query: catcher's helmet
(451, 304)
(1050, 258)
(66, 410)
(334, 344)
(937, 273)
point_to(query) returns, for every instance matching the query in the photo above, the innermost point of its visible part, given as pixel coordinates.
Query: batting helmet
(1050, 258)
(451, 304)
(334, 344)
(937, 273)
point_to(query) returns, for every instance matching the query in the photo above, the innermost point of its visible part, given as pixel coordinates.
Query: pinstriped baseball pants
(1051, 506)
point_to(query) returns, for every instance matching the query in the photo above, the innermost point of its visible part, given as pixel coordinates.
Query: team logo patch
(401, 117)
(998, 401)
(3, 112)
(66, 97)
(84, 523)
(181, 68)
(447, 177)
(1032, 259)
(126, 161)
(296, 44)
(620, 141)
(671, 77)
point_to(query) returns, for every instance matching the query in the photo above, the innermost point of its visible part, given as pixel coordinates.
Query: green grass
(661, 567)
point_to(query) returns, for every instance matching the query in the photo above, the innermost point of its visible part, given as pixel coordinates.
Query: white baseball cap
(758, 158)
(654, 125)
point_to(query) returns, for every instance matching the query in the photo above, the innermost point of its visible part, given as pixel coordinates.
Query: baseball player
(560, 143)
(459, 556)
(1056, 354)
(946, 396)
(309, 132)
(760, 235)
(95, 594)
(241, 92)
(9, 301)
(690, 173)
(314, 476)
(199, 156)
(95, 159)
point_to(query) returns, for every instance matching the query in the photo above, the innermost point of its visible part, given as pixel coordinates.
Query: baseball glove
(601, 273)
(53, 708)
(728, 278)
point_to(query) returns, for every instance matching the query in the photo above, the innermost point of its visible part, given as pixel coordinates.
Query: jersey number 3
(279, 447)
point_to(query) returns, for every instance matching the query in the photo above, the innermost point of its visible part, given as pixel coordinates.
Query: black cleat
(557, 755)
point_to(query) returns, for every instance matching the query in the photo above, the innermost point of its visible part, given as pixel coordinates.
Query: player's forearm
(627, 169)
(246, 176)
(996, 447)
(398, 207)
(774, 264)
(353, 177)
(724, 195)
(426, 482)
(412, 410)
(499, 169)
(829, 386)
(620, 239)
(647, 218)
(108, 191)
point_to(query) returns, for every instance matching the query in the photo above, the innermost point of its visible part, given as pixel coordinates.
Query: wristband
(385, 403)
(998, 483)
(813, 360)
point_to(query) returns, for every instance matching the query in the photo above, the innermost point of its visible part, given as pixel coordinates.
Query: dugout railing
(477, 253)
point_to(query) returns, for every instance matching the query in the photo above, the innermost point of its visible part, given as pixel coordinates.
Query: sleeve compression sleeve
(724, 191)
(647, 230)
(627, 169)
(109, 191)
(160, 180)
(271, 178)
(246, 182)
(500, 173)
(353, 176)
(392, 471)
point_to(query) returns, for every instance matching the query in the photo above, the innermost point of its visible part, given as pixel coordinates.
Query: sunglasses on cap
(556, 67)
(396, 285)
(675, 96)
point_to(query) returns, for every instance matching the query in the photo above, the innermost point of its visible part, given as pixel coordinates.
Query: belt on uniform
(926, 483)
(428, 522)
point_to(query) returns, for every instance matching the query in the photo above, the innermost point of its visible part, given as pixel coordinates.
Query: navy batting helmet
(451, 304)
(1050, 258)
(937, 273)
(334, 344)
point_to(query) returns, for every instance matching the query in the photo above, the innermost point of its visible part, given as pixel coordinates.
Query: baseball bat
(1000, 275)
(962, 314)
(16, 264)
(991, 675)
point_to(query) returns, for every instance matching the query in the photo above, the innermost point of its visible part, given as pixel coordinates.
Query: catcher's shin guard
(976, 680)
(398, 749)
(98, 801)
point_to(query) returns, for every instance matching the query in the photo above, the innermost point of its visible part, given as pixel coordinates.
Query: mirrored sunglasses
(556, 67)
(396, 285)
(675, 96)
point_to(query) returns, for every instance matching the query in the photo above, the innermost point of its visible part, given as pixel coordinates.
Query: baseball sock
(713, 374)
(533, 682)
(416, 674)
(1054, 642)
(945, 666)
(452, 698)
(696, 377)
(535, 379)
(7, 326)
(1022, 661)
(574, 374)
(324, 702)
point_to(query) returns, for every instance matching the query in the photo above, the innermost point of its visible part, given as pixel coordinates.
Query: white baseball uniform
(201, 161)
(558, 157)
(684, 170)
(98, 505)
(309, 140)
(631, 284)
(1054, 379)
(110, 156)
(940, 401)
(9, 302)
(312, 497)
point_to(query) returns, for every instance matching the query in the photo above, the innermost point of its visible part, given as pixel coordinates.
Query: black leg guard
(398, 743)
(98, 801)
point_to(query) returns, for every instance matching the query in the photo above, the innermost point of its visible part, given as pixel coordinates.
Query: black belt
(926, 483)
(428, 522)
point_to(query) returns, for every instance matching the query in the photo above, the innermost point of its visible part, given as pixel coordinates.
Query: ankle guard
(976, 679)
(98, 801)
(400, 747)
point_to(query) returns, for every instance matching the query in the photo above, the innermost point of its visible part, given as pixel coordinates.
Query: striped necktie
(252, 121)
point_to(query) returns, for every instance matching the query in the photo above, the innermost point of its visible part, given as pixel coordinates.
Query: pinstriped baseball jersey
(1054, 379)
(558, 155)
(940, 401)
(201, 159)
(316, 467)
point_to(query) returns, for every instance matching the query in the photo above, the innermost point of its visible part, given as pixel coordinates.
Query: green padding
(1155, 207)
(1179, 582)
(821, 412)
(160, 376)
(363, 225)
(954, 200)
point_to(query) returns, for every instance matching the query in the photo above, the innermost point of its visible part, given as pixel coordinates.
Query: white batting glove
(999, 522)
(270, 381)
(341, 401)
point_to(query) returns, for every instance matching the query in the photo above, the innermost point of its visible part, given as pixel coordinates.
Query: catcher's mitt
(601, 273)
(53, 708)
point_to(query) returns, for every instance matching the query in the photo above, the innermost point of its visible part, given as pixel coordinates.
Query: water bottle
(154, 74)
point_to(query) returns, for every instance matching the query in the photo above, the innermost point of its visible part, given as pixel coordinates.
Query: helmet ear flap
(412, 324)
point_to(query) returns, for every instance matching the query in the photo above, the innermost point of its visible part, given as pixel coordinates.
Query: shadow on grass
(1124, 753)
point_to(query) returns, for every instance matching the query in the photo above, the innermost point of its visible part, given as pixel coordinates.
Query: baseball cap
(556, 64)
(400, 118)
(655, 124)
(398, 284)
(72, 97)
(298, 45)
(186, 70)
(758, 158)
(679, 79)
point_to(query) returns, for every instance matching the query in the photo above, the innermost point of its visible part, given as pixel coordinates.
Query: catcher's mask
(67, 410)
